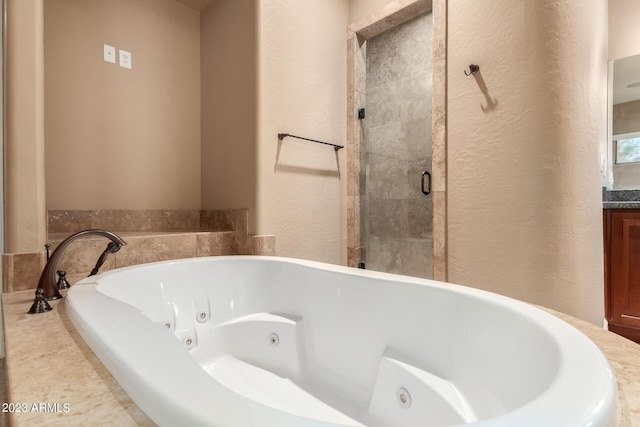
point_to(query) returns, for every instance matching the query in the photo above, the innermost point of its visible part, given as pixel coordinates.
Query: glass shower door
(396, 214)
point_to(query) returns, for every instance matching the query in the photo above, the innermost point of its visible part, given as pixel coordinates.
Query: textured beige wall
(525, 213)
(302, 90)
(198, 5)
(359, 9)
(24, 144)
(228, 61)
(624, 31)
(119, 138)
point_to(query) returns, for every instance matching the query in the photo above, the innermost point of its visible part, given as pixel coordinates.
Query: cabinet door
(625, 268)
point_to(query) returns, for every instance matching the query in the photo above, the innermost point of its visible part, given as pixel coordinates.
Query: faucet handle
(40, 305)
(62, 280)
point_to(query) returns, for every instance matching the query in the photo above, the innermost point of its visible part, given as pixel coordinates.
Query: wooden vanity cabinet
(622, 271)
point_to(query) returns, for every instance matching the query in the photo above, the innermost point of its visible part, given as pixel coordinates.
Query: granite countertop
(48, 362)
(620, 199)
(621, 205)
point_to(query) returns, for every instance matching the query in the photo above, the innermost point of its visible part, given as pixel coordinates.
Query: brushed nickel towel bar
(282, 136)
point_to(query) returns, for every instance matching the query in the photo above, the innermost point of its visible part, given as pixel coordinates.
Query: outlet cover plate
(125, 59)
(109, 53)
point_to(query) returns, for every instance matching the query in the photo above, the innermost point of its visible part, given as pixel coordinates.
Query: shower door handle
(426, 191)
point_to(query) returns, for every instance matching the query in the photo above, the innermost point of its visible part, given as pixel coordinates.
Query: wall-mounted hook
(473, 68)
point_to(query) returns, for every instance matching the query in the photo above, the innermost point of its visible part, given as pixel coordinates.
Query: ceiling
(626, 71)
(198, 5)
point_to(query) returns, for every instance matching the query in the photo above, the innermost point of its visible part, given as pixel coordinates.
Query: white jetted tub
(276, 342)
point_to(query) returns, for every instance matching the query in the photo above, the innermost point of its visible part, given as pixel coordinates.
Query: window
(627, 150)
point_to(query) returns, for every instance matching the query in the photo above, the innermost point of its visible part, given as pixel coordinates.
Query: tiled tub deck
(151, 235)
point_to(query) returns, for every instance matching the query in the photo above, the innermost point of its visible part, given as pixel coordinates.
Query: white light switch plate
(109, 53)
(125, 59)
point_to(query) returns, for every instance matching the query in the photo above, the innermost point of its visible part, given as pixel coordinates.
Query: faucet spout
(47, 289)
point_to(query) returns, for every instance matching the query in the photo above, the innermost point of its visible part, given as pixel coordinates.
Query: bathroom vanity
(622, 262)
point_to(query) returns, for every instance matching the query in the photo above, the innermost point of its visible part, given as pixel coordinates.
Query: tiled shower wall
(397, 219)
